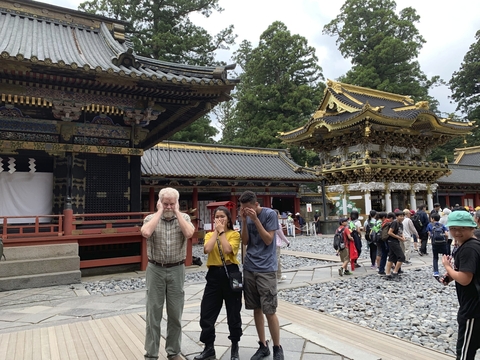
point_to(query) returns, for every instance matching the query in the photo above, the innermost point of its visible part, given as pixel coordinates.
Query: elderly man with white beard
(166, 232)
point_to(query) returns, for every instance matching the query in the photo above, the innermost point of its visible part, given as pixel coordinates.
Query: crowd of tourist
(389, 237)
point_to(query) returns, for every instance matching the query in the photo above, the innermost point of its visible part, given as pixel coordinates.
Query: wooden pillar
(368, 202)
(67, 220)
(430, 199)
(268, 199)
(195, 213)
(388, 200)
(233, 199)
(296, 205)
(413, 200)
(151, 199)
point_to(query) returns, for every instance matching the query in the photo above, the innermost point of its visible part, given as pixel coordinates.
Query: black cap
(342, 220)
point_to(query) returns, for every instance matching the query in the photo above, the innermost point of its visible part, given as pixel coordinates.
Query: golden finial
(367, 129)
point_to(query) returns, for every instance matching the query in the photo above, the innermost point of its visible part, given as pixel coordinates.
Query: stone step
(40, 251)
(39, 266)
(39, 280)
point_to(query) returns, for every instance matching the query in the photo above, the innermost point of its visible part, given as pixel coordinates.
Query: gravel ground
(416, 308)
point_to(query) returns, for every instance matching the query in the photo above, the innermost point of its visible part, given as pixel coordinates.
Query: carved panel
(419, 187)
(336, 189)
(398, 186)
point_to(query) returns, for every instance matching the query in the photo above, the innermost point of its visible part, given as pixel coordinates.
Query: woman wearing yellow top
(217, 288)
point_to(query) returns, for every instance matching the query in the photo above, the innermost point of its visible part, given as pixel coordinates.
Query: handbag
(234, 277)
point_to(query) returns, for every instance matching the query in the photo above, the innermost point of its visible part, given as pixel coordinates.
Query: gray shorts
(260, 291)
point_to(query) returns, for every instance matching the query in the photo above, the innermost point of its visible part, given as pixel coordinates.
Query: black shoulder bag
(235, 277)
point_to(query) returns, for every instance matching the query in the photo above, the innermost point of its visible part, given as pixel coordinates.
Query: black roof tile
(222, 162)
(27, 37)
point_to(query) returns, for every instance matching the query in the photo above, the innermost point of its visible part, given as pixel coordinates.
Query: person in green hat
(464, 269)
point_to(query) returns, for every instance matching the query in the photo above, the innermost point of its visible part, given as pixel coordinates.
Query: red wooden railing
(84, 229)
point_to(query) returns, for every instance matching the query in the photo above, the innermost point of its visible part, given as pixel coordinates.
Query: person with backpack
(395, 253)
(464, 269)
(408, 232)
(382, 245)
(438, 234)
(422, 232)
(355, 226)
(444, 220)
(341, 242)
(368, 226)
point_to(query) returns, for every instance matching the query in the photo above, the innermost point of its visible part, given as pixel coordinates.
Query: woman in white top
(408, 232)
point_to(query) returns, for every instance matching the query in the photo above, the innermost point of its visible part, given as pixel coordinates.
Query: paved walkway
(66, 322)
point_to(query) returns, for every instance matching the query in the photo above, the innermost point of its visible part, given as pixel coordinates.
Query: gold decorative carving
(67, 131)
(140, 135)
(422, 105)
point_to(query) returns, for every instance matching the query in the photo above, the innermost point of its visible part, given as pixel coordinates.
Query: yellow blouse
(214, 259)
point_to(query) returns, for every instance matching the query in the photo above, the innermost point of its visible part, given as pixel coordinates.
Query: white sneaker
(283, 277)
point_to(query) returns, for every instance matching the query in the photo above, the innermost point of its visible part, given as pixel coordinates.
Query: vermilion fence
(104, 239)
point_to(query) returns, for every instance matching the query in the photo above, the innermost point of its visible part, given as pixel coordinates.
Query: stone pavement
(305, 334)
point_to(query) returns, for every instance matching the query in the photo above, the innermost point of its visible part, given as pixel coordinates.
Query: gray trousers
(164, 285)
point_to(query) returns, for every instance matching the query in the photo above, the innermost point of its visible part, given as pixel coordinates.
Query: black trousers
(468, 341)
(216, 292)
(373, 253)
(424, 240)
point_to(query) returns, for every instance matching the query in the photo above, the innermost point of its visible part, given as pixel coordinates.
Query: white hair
(168, 192)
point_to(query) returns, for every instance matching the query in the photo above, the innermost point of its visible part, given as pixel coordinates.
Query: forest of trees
(281, 78)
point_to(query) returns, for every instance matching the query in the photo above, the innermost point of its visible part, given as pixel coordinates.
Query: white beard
(168, 214)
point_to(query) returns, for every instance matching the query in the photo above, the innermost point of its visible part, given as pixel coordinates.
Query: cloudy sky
(449, 28)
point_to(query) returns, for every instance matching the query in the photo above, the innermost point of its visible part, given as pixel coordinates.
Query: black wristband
(219, 234)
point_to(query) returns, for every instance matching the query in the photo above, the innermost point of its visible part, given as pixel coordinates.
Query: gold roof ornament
(422, 105)
(346, 108)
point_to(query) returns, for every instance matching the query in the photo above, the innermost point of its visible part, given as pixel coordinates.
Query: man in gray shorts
(260, 271)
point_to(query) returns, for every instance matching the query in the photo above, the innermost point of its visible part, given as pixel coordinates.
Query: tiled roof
(470, 159)
(461, 174)
(345, 103)
(186, 160)
(27, 37)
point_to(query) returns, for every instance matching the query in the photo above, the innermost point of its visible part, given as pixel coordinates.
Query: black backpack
(417, 223)
(438, 235)
(338, 240)
(368, 231)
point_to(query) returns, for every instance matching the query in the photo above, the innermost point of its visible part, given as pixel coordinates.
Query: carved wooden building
(373, 147)
(205, 173)
(78, 107)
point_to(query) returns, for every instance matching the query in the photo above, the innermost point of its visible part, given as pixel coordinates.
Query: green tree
(163, 29)
(465, 83)
(383, 47)
(200, 131)
(465, 87)
(279, 90)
